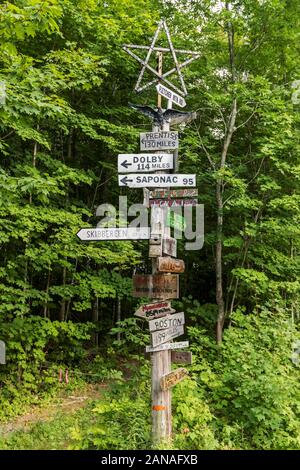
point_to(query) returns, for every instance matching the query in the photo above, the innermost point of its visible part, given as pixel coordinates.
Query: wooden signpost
(156, 286)
(173, 378)
(159, 285)
(155, 310)
(142, 162)
(170, 265)
(160, 337)
(163, 283)
(160, 140)
(143, 180)
(114, 233)
(167, 322)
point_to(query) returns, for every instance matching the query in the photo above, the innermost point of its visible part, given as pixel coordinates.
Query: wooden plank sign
(163, 140)
(128, 163)
(155, 245)
(170, 265)
(172, 202)
(155, 310)
(170, 95)
(173, 378)
(167, 346)
(169, 246)
(167, 322)
(172, 193)
(156, 286)
(181, 357)
(2, 352)
(114, 233)
(144, 180)
(163, 336)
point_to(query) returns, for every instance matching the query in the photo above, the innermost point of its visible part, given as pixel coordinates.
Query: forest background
(67, 304)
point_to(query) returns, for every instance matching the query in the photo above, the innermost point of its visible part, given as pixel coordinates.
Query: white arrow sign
(165, 346)
(170, 95)
(159, 337)
(126, 233)
(156, 180)
(166, 322)
(145, 162)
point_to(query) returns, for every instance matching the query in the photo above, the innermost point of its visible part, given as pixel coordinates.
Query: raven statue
(159, 117)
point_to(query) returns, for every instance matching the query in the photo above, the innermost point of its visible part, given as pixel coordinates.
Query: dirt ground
(68, 404)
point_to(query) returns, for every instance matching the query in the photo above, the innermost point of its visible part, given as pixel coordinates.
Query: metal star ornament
(161, 77)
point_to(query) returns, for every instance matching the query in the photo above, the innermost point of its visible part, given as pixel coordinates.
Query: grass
(53, 434)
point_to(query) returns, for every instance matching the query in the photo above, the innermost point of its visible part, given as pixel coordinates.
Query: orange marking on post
(159, 408)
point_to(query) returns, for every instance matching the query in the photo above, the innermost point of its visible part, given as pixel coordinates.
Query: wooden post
(161, 360)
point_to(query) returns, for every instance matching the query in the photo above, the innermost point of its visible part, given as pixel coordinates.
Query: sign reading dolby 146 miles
(163, 140)
(159, 180)
(128, 163)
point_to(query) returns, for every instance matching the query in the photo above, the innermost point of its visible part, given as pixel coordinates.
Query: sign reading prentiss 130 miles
(163, 140)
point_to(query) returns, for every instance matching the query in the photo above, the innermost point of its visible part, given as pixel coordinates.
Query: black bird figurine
(159, 117)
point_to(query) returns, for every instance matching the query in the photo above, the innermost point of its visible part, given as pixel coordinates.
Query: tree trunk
(118, 316)
(95, 319)
(220, 189)
(62, 312)
(219, 271)
(219, 242)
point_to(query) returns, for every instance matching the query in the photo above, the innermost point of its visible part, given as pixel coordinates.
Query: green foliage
(251, 384)
(64, 120)
(36, 349)
(192, 418)
(121, 419)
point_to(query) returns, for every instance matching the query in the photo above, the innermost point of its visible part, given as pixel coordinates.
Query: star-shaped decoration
(161, 77)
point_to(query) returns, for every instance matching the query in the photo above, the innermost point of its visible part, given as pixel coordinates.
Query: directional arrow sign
(114, 233)
(167, 322)
(170, 95)
(145, 162)
(159, 337)
(155, 310)
(173, 378)
(160, 180)
(166, 346)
